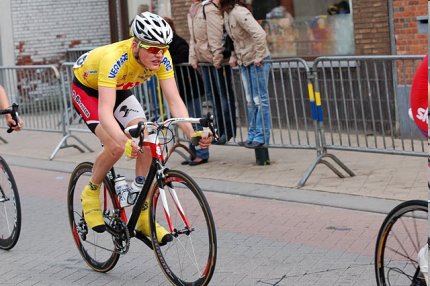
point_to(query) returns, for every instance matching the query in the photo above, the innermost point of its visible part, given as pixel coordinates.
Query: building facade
(41, 32)
(305, 28)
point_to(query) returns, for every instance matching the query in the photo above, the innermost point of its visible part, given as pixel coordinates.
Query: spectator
(252, 55)
(190, 86)
(206, 46)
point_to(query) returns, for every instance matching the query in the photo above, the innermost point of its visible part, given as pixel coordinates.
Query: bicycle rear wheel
(97, 249)
(402, 234)
(10, 208)
(190, 258)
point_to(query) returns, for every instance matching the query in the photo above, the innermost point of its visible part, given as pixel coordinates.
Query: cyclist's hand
(131, 149)
(16, 126)
(201, 138)
(205, 142)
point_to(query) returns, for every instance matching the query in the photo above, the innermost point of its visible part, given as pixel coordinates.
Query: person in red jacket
(420, 96)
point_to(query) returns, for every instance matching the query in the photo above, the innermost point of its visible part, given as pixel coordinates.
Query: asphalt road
(260, 242)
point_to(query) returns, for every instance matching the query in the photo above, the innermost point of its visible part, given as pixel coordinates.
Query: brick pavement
(270, 242)
(260, 242)
(391, 177)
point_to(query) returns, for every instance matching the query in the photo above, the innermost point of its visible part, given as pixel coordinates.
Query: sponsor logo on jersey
(115, 69)
(144, 77)
(166, 63)
(422, 114)
(78, 101)
(87, 73)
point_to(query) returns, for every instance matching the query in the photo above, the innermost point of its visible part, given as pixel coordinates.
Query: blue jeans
(255, 82)
(194, 110)
(218, 89)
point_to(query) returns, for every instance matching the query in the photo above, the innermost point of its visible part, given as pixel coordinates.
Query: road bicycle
(175, 201)
(10, 206)
(402, 234)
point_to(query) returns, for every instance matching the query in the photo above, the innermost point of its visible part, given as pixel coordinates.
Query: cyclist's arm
(4, 103)
(176, 105)
(107, 97)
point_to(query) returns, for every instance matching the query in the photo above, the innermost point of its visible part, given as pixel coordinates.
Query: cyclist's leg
(85, 102)
(128, 113)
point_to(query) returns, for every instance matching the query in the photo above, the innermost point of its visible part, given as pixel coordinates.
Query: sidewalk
(391, 177)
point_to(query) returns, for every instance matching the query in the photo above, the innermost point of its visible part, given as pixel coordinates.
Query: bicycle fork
(162, 194)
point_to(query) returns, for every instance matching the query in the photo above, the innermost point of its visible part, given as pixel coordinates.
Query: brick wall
(179, 10)
(44, 29)
(371, 27)
(408, 41)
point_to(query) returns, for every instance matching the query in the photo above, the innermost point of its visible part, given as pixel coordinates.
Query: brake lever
(208, 122)
(15, 117)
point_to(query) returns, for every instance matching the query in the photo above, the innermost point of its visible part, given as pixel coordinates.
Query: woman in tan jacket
(205, 23)
(253, 57)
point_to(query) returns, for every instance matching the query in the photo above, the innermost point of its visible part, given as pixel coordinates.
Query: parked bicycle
(176, 202)
(10, 206)
(402, 235)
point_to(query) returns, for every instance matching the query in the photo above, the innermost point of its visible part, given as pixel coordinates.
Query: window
(306, 28)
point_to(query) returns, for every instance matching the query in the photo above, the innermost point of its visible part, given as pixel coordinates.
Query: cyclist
(101, 94)
(4, 103)
(420, 94)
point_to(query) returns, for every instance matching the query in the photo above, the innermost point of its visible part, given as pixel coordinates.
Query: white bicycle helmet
(151, 28)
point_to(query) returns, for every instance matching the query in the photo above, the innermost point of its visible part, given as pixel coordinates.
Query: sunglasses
(153, 49)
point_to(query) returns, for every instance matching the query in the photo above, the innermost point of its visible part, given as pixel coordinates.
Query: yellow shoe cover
(91, 207)
(142, 226)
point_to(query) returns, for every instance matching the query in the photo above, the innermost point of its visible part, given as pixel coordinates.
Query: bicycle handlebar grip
(135, 132)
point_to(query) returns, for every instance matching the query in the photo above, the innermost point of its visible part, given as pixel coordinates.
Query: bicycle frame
(156, 171)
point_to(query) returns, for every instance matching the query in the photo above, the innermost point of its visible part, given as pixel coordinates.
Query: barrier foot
(262, 156)
(320, 159)
(63, 144)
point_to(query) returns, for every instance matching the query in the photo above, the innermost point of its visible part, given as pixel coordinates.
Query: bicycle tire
(183, 266)
(402, 234)
(97, 249)
(10, 208)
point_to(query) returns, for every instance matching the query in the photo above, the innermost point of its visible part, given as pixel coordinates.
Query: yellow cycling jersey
(115, 66)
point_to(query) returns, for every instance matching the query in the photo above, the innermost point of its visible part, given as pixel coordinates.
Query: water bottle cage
(132, 197)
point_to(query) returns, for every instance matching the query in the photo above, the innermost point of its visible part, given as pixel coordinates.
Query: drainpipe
(393, 49)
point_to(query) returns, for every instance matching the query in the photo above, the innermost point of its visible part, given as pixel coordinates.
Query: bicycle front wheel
(181, 207)
(10, 208)
(97, 249)
(401, 236)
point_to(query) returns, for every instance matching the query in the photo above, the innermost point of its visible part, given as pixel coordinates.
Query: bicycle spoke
(400, 238)
(99, 250)
(190, 258)
(10, 208)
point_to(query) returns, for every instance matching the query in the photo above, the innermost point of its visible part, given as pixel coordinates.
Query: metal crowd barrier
(335, 103)
(37, 90)
(362, 105)
(365, 104)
